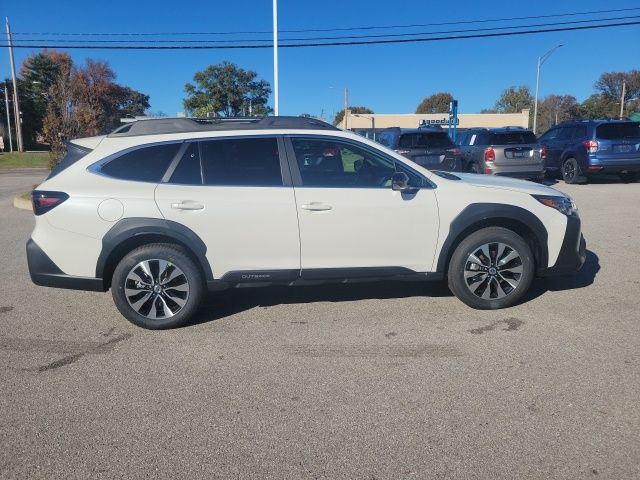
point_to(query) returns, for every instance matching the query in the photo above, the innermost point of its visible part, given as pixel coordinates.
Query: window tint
(426, 140)
(550, 134)
(147, 164)
(618, 131)
(327, 163)
(188, 171)
(565, 133)
(579, 131)
(513, 138)
(241, 162)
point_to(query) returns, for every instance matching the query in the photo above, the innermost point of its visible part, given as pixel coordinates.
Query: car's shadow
(217, 305)
(583, 278)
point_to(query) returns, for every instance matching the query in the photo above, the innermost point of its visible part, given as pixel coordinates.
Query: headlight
(563, 204)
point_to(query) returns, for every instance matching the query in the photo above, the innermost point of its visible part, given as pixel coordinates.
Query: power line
(213, 41)
(329, 44)
(371, 27)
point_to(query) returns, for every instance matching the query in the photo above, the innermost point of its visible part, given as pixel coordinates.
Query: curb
(21, 203)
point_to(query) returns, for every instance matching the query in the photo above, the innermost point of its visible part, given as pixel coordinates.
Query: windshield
(618, 131)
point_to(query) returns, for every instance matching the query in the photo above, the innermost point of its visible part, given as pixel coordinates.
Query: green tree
(609, 86)
(514, 100)
(599, 105)
(340, 115)
(556, 108)
(227, 90)
(437, 103)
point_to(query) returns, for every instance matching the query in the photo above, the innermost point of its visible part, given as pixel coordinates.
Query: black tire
(172, 292)
(502, 281)
(571, 173)
(629, 177)
(474, 167)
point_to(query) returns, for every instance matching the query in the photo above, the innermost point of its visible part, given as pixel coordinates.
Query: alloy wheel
(493, 271)
(156, 289)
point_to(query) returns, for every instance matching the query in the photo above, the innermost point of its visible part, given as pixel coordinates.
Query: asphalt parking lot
(366, 381)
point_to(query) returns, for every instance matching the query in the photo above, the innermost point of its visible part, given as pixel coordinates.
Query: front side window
(146, 164)
(241, 162)
(336, 164)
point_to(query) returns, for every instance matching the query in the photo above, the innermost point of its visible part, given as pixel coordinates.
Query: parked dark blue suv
(579, 148)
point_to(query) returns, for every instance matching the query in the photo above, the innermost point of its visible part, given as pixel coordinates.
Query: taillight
(403, 152)
(591, 146)
(44, 201)
(489, 155)
(456, 152)
(543, 153)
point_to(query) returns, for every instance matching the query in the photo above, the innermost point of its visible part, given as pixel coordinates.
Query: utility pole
(541, 60)
(16, 104)
(276, 110)
(346, 107)
(6, 102)
(624, 91)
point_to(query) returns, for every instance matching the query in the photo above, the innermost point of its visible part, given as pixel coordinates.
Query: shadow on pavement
(222, 304)
(585, 277)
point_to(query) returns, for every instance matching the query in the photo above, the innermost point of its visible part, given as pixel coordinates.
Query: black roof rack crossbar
(157, 126)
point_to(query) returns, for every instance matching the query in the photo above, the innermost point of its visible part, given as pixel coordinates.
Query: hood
(507, 183)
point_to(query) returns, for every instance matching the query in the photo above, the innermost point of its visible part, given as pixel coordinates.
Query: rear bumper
(47, 274)
(573, 251)
(615, 169)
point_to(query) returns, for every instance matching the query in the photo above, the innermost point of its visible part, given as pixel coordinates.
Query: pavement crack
(512, 325)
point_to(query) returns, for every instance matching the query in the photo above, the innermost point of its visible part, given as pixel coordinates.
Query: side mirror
(400, 182)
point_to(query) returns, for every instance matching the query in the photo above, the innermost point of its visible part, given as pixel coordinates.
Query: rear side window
(147, 164)
(74, 153)
(618, 131)
(241, 162)
(513, 138)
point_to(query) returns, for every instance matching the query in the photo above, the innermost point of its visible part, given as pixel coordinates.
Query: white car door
(350, 218)
(231, 192)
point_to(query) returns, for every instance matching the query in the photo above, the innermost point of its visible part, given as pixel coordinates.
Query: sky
(385, 78)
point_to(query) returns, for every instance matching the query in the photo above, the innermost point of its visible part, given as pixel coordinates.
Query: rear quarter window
(74, 153)
(618, 131)
(146, 164)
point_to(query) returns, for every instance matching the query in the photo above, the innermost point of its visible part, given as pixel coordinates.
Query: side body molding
(479, 215)
(131, 228)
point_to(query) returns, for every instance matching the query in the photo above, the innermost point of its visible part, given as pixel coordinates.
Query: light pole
(6, 102)
(541, 61)
(373, 123)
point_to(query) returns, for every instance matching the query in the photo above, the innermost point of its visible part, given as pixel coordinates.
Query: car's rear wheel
(492, 268)
(629, 177)
(571, 171)
(157, 286)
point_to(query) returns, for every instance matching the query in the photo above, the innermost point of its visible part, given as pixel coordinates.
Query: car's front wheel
(492, 268)
(157, 286)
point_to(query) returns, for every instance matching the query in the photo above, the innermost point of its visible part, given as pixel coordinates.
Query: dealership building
(372, 123)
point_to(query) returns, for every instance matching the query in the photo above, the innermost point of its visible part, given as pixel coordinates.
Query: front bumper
(573, 251)
(47, 274)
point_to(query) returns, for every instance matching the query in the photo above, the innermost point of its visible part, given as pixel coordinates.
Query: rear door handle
(316, 207)
(187, 205)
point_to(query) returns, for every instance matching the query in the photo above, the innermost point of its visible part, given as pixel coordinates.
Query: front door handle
(187, 205)
(316, 207)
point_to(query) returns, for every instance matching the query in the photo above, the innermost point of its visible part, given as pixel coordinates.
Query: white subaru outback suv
(162, 210)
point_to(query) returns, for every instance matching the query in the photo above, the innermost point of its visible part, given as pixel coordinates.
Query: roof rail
(158, 126)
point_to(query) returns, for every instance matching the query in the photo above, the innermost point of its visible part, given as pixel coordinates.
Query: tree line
(553, 108)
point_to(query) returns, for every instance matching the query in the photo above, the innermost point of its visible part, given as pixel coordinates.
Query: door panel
(245, 227)
(348, 214)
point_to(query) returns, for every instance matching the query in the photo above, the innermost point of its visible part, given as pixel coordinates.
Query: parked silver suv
(508, 151)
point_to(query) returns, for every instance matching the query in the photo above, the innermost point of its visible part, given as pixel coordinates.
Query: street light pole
(276, 109)
(6, 102)
(541, 61)
(16, 104)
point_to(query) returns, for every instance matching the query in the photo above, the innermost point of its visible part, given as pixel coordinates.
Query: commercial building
(370, 124)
